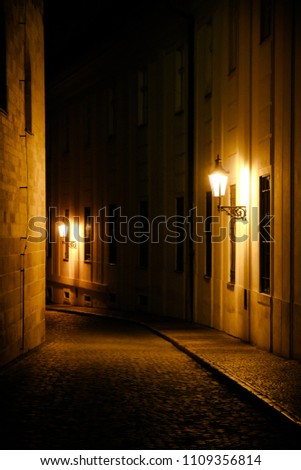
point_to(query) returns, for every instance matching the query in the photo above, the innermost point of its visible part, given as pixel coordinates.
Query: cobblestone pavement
(104, 383)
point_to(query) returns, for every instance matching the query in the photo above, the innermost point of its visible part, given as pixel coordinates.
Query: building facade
(247, 112)
(117, 159)
(22, 181)
(132, 137)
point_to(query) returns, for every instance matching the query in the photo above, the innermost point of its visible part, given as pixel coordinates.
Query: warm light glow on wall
(244, 186)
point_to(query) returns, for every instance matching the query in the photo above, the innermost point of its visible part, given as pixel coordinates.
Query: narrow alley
(104, 383)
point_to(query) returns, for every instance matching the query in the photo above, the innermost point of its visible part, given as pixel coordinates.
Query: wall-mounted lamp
(63, 230)
(218, 181)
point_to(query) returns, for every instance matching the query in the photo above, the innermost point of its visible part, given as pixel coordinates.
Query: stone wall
(22, 180)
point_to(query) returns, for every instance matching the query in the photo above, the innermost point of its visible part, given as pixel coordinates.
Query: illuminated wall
(247, 112)
(22, 178)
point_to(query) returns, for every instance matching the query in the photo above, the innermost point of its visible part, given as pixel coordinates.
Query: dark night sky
(74, 30)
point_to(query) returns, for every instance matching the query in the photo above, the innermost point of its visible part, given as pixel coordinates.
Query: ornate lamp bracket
(235, 212)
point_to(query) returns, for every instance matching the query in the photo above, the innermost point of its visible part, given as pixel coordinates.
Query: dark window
(87, 125)
(3, 86)
(208, 59)
(179, 85)
(266, 8)
(67, 237)
(233, 34)
(112, 233)
(66, 132)
(265, 234)
(111, 112)
(143, 300)
(142, 98)
(232, 235)
(181, 230)
(144, 244)
(49, 228)
(88, 234)
(208, 222)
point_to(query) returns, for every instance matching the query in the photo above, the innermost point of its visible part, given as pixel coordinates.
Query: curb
(224, 376)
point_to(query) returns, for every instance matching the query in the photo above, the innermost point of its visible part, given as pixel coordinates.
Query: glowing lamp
(62, 230)
(218, 180)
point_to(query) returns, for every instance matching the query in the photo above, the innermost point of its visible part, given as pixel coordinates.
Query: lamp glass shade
(218, 179)
(62, 230)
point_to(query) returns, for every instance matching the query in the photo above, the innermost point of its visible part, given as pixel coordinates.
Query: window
(50, 237)
(208, 222)
(208, 60)
(112, 234)
(27, 92)
(111, 112)
(87, 125)
(88, 235)
(265, 233)
(143, 245)
(266, 8)
(180, 229)
(232, 235)
(233, 34)
(179, 85)
(67, 236)
(66, 132)
(142, 98)
(3, 86)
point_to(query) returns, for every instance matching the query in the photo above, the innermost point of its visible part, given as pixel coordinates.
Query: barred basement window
(265, 233)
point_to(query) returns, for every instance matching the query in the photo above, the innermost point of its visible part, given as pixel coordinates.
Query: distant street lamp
(63, 230)
(218, 181)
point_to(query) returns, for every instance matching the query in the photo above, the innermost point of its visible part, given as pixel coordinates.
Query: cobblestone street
(102, 383)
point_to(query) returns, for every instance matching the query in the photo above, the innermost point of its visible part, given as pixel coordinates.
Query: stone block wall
(22, 179)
